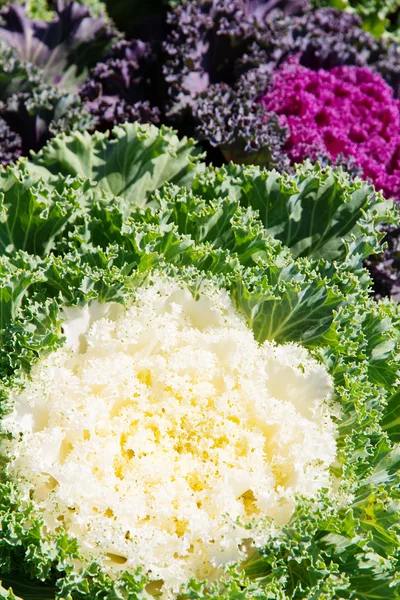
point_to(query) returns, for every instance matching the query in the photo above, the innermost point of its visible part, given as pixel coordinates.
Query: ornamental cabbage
(40, 66)
(65, 48)
(159, 435)
(217, 57)
(347, 111)
(191, 336)
(10, 144)
(121, 87)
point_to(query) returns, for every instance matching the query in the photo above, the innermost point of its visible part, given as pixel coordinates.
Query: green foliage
(317, 212)
(34, 213)
(91, 217)
(26, 590)
(132, 161)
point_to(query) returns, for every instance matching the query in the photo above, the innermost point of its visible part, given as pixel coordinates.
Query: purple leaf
(64, 48)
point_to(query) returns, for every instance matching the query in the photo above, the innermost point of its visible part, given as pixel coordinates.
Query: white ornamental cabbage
(164, 435)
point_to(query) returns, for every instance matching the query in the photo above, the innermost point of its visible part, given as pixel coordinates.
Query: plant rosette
(199, 397)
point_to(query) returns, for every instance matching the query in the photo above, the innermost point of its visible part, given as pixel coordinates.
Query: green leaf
(373, 587)
(14, 284)
(33, 213)
(317, 212)
(132, 161)
(221, 223)
(20, 588)
(297, 310)
(381, 343)
(391, 419)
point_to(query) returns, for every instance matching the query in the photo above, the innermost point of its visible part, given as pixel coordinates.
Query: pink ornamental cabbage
(347, 110)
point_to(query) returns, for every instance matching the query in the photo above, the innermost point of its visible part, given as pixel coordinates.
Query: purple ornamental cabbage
(33, 118)
(32, 53)
(328, 38)
(214, 46)
(217, 41)
(347, 111)
(231, 121)
(213, 41)
(259, 9)
(10, 144)
(65, 48)
(122, 87)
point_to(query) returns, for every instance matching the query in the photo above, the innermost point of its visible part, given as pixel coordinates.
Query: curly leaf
(132, 161)
(317, 212)
(32, 214)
